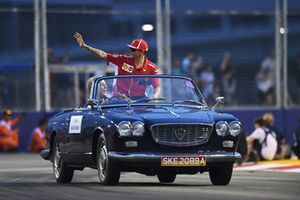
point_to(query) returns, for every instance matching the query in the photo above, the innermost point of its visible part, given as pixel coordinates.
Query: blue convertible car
(156, 125)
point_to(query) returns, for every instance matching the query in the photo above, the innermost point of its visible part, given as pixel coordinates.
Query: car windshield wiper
(145, 100)
(188, 101)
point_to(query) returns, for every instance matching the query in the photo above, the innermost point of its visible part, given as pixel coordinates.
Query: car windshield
(152, 89)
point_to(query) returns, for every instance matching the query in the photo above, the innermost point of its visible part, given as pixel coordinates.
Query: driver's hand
(123, 96)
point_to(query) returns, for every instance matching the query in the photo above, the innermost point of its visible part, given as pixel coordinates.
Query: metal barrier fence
(234, 49)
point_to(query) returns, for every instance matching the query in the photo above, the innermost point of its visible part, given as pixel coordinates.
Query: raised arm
(97, 52)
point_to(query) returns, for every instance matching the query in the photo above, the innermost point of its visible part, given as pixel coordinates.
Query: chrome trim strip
(173, 113)
(77, 153)
(216, 156)
(151, 104)
(182, 124)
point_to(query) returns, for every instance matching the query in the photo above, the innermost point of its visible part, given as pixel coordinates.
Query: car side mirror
(219, 100)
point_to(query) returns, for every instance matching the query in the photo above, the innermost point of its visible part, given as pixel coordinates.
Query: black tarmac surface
(27, 176)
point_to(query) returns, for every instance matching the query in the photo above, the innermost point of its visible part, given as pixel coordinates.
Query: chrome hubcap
(57, 163)
(102, 162)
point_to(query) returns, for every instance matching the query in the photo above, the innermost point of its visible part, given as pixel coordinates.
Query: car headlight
(124, 128)
(138, 128)
(235, 128)
(221, 128)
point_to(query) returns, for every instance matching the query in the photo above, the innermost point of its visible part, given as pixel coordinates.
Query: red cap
(139, 44)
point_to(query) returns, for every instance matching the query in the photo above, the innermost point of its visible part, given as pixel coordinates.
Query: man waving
(136, 63)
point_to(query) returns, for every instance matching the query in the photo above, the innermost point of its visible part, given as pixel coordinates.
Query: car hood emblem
(180, 133)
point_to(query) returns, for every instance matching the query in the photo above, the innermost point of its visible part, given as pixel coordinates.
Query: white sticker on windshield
(75, 124)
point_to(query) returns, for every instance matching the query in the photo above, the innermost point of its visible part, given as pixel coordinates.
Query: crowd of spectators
(212, 80)
(221, 78)
(10, 133)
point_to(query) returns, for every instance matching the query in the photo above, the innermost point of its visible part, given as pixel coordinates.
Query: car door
(75, 125)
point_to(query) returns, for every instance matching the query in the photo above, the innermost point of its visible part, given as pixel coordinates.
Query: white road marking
(268, 167)
(26, 169)
(256, 167)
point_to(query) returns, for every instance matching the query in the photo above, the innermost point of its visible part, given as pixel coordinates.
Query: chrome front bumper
(217, 156)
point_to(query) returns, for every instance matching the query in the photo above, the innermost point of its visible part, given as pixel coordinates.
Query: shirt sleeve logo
(128, 68)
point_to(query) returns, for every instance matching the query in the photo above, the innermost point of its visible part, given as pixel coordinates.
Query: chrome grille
(181, 134)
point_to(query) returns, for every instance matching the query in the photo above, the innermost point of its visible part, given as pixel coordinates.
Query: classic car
(156, 125)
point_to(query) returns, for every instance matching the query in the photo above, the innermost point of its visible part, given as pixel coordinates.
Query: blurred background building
(246, 51)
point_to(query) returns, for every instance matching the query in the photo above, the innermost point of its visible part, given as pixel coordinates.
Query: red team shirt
(126, 66)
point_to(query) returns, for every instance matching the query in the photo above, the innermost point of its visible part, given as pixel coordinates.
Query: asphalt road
(27, 176)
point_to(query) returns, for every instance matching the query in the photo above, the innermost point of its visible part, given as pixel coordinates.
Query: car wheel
(166, 177)
(107, 172)
(221, 175)
(62, 173)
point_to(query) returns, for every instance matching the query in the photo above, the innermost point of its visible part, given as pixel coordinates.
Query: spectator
(228, 83)
(283, 149)
(262, 143)
(9, 137)
(176, 70)
(296, 146)
(38, 140)
(207, 79)
(265, 80)
(195, 68)
(186, 63)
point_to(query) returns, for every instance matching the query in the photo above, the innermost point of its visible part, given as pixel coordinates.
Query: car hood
(166, 114)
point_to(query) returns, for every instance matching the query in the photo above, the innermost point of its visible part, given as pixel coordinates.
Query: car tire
(108, 173)
(221, 175)
(62, 173)
(166, 177)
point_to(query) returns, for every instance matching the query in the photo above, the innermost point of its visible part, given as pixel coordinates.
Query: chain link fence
(228, 48)
(17, 57)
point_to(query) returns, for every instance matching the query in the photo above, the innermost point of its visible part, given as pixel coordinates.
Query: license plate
(176, 161)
